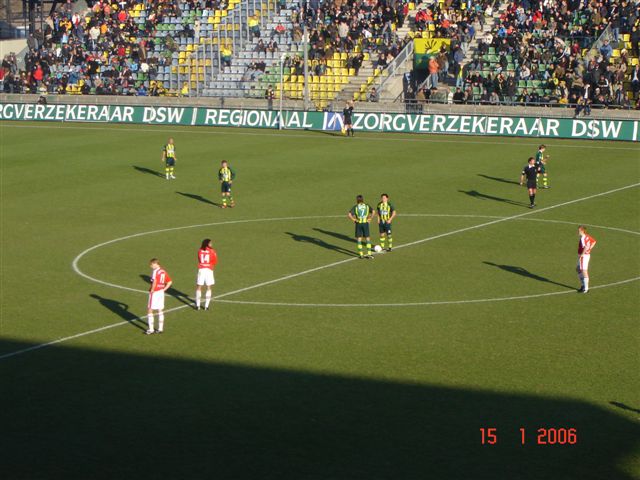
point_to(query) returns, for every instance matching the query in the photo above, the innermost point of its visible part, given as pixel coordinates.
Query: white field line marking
(76, 269)
(256, 220)
(422, 304)
(369, 135)
(286, 277)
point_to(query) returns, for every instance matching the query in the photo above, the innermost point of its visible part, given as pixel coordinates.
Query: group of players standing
(207, 256)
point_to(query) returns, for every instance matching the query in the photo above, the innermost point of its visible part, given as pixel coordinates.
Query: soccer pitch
(313, 364)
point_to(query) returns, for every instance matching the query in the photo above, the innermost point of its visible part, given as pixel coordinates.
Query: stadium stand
(513, 51)
(540, 54)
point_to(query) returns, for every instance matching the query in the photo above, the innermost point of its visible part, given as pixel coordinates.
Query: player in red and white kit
(585, 244)
(160, 283)
(207, 259)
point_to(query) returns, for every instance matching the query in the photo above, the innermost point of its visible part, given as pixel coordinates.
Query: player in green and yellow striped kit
(361, 214)
(169, 159)
(541, 163)
(226, 176)
(386, 214)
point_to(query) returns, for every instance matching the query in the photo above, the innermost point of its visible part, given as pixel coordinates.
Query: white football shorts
(205, 277)
(156, 300)
(583, 262)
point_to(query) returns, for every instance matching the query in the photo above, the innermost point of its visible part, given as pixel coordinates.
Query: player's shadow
(172, 292)
(120, 309)
(320, 243)
(199, 198)
(498, 179)
(624, 407)
(148, 171)
(340, 236)
(526, 273)
(484, 196)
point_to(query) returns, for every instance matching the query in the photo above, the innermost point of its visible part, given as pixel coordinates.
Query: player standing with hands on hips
(530, 172)
(207, 260)
(160, 283)
(585, 244)
(226, 175)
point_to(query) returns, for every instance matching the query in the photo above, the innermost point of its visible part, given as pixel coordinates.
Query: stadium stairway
(367, 78)
(232, 82)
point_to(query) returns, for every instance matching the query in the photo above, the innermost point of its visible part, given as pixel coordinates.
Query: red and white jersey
(585, 244)
(207, 258)
(160, 278)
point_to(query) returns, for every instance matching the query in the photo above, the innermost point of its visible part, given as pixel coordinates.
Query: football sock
(369, 247)
(545, 181)
(585, 282)
(532, 199)
(150, 321)
(198, 297)
(224, 201)
(390, 241)
(207, 297)
(359, 247)
(382, 242)
(160, 322)
(166, 172)
(171, 170)
(231, 199)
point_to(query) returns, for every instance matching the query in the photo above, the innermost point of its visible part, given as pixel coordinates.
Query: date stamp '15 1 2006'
(543, 436)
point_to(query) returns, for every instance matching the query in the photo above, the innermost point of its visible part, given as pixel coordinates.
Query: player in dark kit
(541, 163)
(169, 159)
(386, 214)
(226, 175)
(530, 172)
(347, 115)
(361, 214)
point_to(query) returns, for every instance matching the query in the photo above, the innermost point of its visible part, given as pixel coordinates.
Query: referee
(530, 172)
(347, 115)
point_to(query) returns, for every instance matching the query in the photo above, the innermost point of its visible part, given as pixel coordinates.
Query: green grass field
(313, 364)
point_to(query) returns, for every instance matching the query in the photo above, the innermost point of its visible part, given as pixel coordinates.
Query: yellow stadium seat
(351, 72)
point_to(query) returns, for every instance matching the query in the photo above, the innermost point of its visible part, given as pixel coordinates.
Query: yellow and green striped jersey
(385, 210)
(226, 174)
(361, 211)
(169, 150)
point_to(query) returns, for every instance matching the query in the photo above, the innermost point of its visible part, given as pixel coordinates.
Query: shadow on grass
(484, 196)
(320, 243)
(86, 413)
(498, 179)
(121, 310)
(172, 292)
(624, 407)
(526, 273)
(148, 171)
(340, 236)
(199, 198)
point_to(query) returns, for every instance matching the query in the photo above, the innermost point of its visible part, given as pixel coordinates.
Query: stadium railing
(298, 105)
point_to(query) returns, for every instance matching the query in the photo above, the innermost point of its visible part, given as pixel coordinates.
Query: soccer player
(347, 115)
(160, 283)
(386, 214)
(541, 163)
(226, 175)
(169, 159)
(585, 244)
(361, 214)
(207, 259)
(530, 171)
